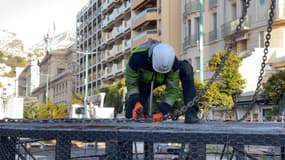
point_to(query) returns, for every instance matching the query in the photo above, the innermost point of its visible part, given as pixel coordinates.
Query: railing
(110, 17)
(104, 23)
(143, 34)
(127, 5)
(230, 27)
(127, 24)
(118, 11)
(104, 5)
(143, 13)
(136, 3)
(118, 137)
(192, 6)
(190, 40)
(213, 35)
(128, 44)
(119, 30)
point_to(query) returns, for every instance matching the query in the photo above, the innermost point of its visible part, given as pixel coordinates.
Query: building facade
(219, 25)
(28, 79)
(56, 76)
(220, 20)
(109, 29)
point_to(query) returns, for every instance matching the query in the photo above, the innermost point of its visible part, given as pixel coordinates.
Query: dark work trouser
(186, 76)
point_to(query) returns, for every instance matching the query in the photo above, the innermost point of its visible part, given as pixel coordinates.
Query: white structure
(8, 87)
(12, 107)
(96, 108)
(4, 68)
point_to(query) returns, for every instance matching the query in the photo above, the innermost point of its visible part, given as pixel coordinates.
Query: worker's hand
(157, 118)
(131, 101)
(138, 111)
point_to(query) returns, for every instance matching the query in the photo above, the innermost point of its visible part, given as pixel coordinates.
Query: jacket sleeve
(132, 72)
(172, 87)
(132, 76)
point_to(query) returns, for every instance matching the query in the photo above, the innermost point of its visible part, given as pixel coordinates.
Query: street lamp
(47, 76)
(86, 79)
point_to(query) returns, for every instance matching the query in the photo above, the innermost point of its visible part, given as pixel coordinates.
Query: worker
(155, 62)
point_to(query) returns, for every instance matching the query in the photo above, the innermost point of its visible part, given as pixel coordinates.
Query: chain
(195, 100)
(264, 58)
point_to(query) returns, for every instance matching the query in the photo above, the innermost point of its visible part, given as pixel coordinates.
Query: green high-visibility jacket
(139, 68)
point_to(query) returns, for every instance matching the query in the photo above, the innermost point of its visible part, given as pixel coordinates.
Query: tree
(77, 98)
(226, 87)
(212, 97)
(1, 85)
(232, 81)
(274, 89)
(48, 110)
(115, 95)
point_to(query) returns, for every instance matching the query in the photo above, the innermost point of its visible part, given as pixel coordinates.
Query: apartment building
(108, 29)
(56, 76)
(220, 20)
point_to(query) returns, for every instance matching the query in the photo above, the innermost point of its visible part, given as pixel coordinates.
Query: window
(60, 70)
(189, 27)
(234, 11)
(197, 29)
(215, 21)
(261, 39)
(197, 61)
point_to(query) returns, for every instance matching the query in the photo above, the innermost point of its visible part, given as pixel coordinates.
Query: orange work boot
(138, 111)
(157, 118)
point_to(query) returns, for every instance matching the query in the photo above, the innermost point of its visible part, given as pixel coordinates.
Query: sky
(32, 19)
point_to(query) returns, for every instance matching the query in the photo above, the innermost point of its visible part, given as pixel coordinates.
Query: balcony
(107, 5)
(127, 25)
(119, 31)
(127, 44)
(104, 6)
(137, 3)
(144, 36)
(190, 40)
(108, 22)
(147, 15)
(228, 29)
(213, 35)
(127, 6)
(121, 68)
(213, 3)
(119, 12)
(192, 6)
(111, 3)
(118, 50)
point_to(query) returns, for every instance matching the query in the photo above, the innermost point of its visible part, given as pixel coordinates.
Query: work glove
(131, 101)
(157, 118)
(138, 111)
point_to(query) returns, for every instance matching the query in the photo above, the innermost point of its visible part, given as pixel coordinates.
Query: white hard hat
(163, 57)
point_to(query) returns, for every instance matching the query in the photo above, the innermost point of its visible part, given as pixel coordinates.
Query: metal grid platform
(120, 134)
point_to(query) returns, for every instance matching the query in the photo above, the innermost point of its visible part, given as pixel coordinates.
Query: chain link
(195, 100)
(264, 58)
